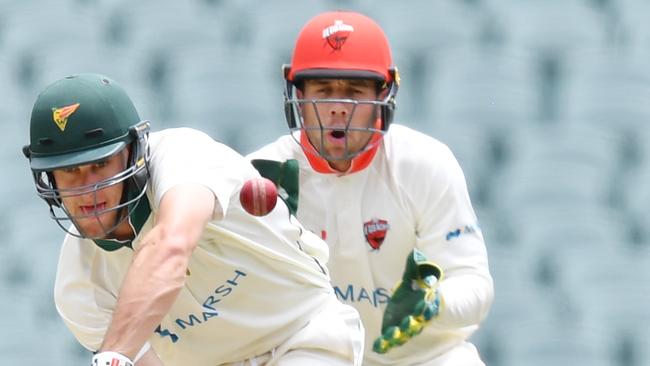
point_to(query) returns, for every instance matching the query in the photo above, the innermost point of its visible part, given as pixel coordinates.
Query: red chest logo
(375, 232)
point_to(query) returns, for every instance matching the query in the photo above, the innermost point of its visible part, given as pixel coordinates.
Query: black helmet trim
(337, 74)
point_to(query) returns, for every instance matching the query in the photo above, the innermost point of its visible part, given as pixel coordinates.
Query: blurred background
(544, 102)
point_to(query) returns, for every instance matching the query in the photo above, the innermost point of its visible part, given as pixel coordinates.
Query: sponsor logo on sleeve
(467, 229)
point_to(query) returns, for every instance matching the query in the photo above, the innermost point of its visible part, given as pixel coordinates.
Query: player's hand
(415, 301)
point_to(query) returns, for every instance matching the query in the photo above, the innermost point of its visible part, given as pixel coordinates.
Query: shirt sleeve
(84, 298)
(449, 234)
(184, 155)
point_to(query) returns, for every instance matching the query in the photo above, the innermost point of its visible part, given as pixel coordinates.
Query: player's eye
(101, 164)
(70, 170)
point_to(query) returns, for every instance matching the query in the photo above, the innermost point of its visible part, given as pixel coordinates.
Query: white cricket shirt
(412, 195)
(252, 283)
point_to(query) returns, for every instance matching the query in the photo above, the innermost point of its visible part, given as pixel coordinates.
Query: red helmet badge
(337, 34)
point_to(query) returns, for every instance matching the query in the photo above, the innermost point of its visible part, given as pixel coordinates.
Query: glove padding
(415, 301)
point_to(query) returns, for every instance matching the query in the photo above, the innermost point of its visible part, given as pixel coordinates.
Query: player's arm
(159, 266)
(449, 239)
(449, 234)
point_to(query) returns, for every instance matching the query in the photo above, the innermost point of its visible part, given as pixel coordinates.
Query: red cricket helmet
(341, 45)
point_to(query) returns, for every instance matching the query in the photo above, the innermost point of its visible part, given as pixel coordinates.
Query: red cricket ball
(258, 196)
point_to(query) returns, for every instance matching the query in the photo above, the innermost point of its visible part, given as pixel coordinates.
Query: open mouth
(338, 134)
(92, 209)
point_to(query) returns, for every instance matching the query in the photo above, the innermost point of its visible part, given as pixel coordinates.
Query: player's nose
(89, 178)
(338, 108)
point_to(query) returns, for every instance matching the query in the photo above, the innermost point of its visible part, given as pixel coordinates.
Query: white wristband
(109, 358)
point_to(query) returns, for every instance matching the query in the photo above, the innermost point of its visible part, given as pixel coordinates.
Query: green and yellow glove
(415, 301)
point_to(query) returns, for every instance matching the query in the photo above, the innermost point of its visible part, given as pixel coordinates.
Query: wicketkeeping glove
(415, 301)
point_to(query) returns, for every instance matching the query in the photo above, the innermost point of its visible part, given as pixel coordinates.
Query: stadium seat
(630, 26)
(419, 32)
(427, 25)
(559, 163)
(495, 87)
(31, 316)
(231, 96)
(540, 341)
(138, 24)
(276, 25)
(472, 145)
(553, 225)
(610, 89)
(551, 27)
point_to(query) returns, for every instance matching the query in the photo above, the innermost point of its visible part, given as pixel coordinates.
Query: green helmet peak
(78, 120)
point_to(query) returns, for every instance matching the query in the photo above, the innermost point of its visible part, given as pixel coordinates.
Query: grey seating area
(545, 103)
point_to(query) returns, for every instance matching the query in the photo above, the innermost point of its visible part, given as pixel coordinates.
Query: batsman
(161, 264)
(392, 203)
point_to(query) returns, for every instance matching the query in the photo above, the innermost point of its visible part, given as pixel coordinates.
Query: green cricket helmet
(83, 119)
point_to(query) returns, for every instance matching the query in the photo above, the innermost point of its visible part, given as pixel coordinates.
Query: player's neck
(124, 231)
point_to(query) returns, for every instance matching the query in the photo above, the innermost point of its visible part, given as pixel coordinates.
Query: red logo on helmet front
(337, 34)
(375, 232)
